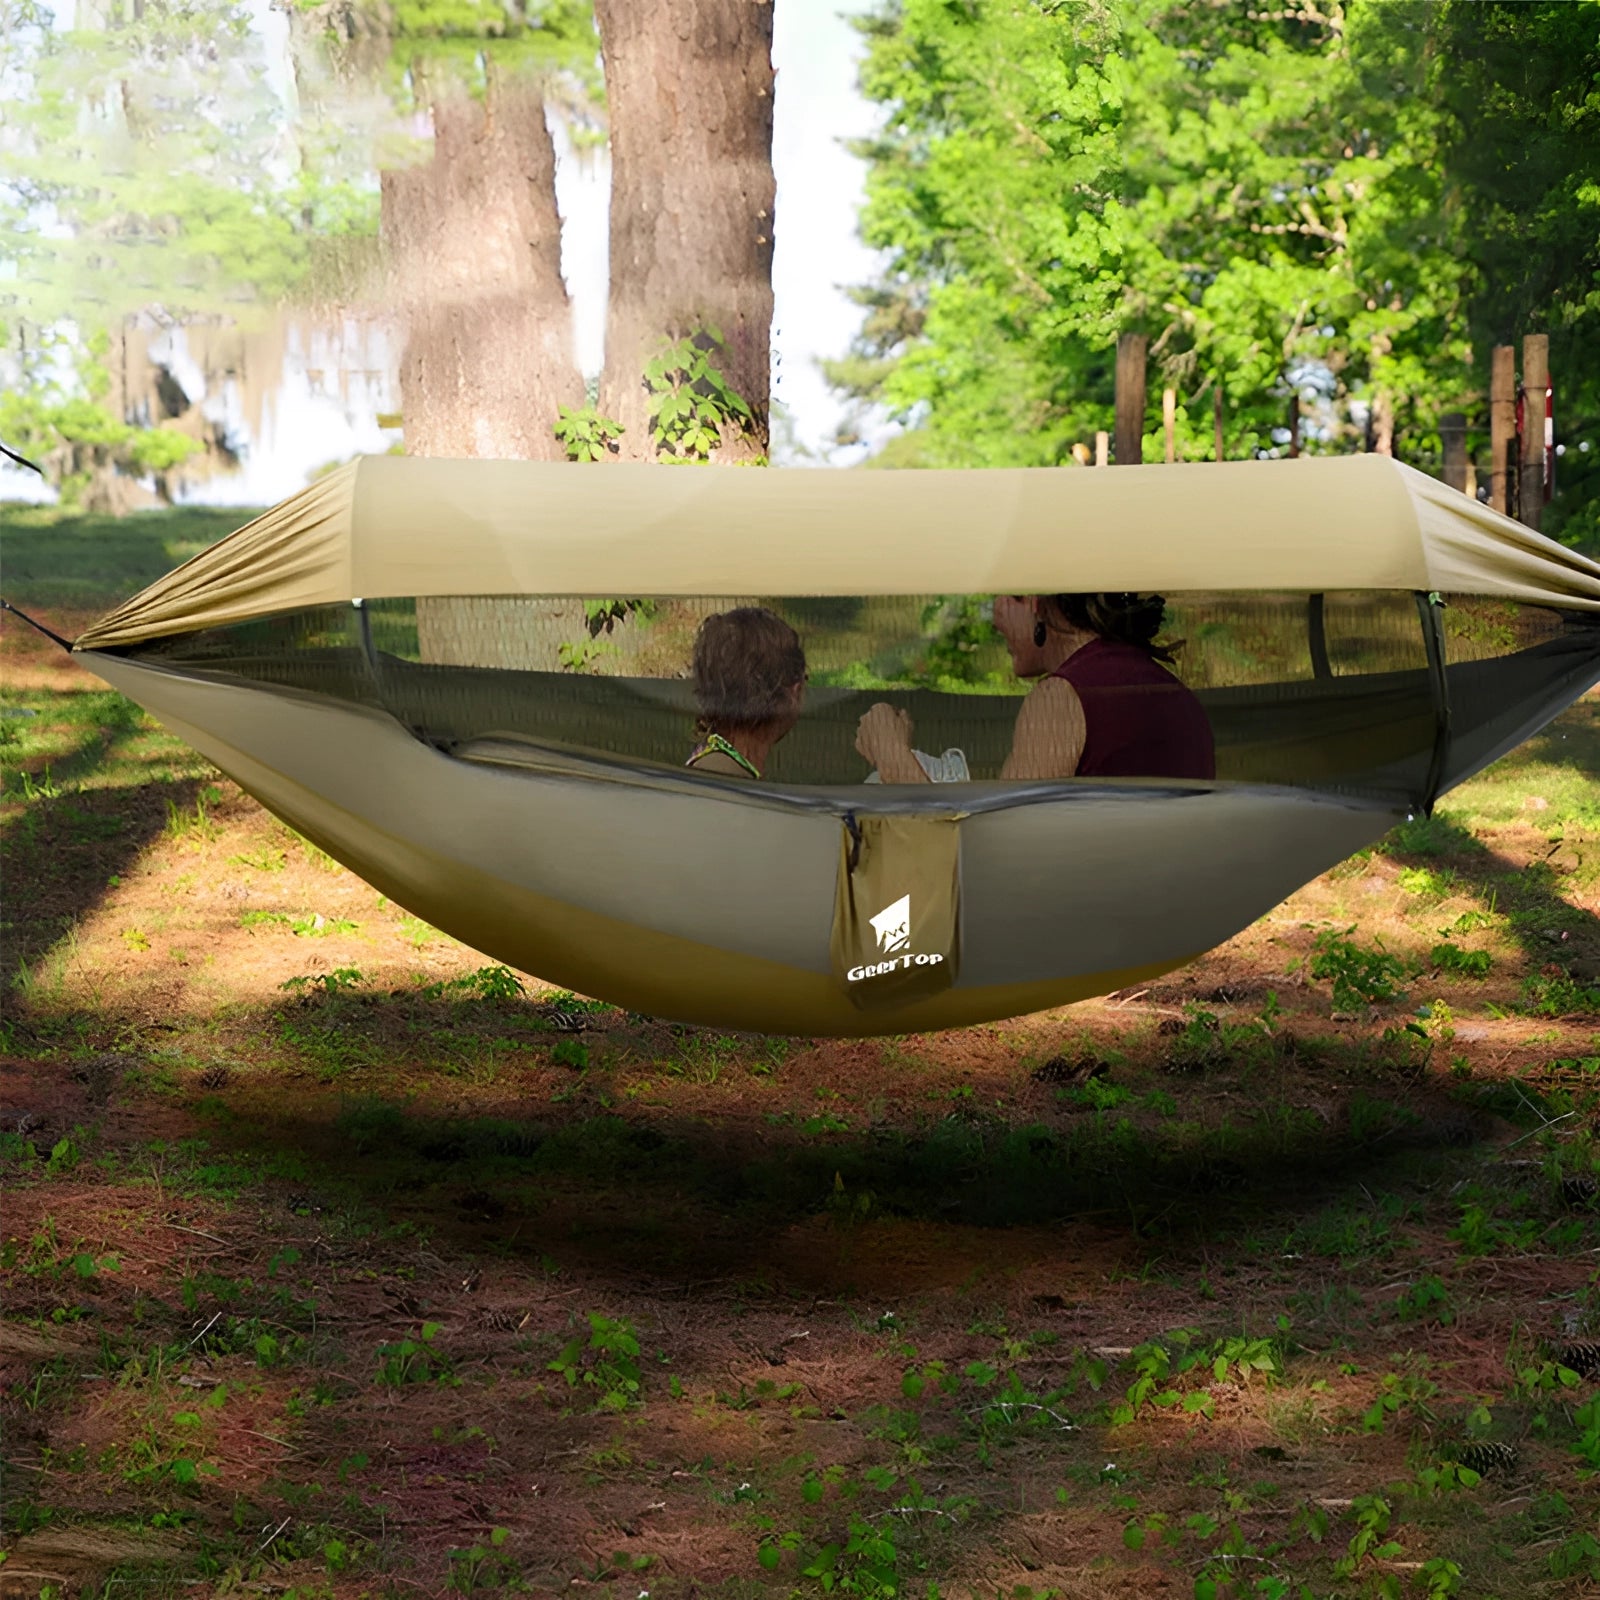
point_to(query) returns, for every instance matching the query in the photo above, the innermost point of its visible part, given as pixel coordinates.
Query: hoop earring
(1039, 634)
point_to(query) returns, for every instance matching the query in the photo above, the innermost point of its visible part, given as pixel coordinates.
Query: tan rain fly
(393, 525)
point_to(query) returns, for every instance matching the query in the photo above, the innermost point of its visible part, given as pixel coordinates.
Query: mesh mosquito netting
(1383, 696)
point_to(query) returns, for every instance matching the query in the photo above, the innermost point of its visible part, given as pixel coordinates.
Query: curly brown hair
(747, 663)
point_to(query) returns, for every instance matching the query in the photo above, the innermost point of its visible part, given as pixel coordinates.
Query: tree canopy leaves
(1344, 203)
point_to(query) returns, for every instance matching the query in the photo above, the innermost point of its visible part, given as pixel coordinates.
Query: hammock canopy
(469, 682)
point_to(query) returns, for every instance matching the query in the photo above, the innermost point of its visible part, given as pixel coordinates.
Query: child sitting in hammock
(749, 681)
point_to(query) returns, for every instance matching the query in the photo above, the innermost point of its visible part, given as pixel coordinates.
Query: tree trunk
(1383, 423)
(689, 90)
(473, 239)
(474, 242)
(1131, 351)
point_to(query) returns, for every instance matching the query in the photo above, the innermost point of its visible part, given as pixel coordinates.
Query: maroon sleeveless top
(1141, 721)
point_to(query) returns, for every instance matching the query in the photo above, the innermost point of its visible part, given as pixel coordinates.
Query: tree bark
(1535, 383)
(689, 90)
(473, 241)
(1130, 398)
(1502, 424)
(1453, 438)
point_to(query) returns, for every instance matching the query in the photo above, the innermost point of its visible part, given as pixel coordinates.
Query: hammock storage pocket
(897, 909)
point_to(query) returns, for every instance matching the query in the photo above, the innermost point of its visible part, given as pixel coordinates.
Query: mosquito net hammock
(471, 683)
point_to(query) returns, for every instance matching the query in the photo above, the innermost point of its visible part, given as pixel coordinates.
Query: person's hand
(882, 734)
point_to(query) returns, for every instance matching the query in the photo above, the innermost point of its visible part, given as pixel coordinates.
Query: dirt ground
(335, 1263)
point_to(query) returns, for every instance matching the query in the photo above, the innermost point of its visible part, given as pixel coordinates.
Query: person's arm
(1050, 733)
(883, 737)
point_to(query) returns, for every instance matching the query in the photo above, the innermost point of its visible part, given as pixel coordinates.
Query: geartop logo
(893, 928)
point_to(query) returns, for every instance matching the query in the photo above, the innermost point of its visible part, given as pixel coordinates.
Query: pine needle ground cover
(336, 1261)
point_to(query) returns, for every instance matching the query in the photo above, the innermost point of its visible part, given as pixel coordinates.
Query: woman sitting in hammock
(749, 681)
(1104, 706)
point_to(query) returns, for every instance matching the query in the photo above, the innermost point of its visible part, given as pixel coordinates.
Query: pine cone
(562, 1020)
(504, 1319)
(1582, 1356)
(1484, 1457)
(1059, 1070)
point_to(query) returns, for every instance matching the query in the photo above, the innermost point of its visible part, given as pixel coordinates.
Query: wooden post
(1294, 426)
(1453, 433)
(1502, 421)
(1131, 349)
(1102, 448)
(1216, 418)
(1169, 422)
(1535, 383)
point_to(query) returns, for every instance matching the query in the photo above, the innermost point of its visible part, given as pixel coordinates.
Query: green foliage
(310, 925)
(487, 983)
(338, 981)
(1478, 1233)
(608, 1362)
(1360, 976)
(144, 156)
(1372, 1515)
(1427, 1300)
(73, 436)
(418, 1360)
(964, 648)
(1558, 994)
(1164, 1371)
(586, 435)
(692, 409)
(1337, 203)
(1450, 957)
(601, 616)
(484, 1566)
(1399, 1392)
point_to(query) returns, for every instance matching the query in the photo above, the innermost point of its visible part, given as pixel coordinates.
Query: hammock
(468, 682)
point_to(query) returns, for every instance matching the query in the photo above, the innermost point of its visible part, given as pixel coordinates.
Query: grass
(337, 1261)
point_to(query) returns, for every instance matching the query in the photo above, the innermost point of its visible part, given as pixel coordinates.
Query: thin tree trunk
(473, 238)
(689, 91)
(1131, 352)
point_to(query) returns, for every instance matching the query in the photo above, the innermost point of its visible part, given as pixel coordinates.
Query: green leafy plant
(1558, 994)
(692, 409)
(197, 826)
(484, 1566)
(570, 1053)
(585, 434)
(1448, 957)
(1427, 1300)
(335, 982)
(1370, 1542)
(1399, 1392)
(418, 1360)
(1480, 1234)
(607, 1362)
(1360, 976)
(487, 983)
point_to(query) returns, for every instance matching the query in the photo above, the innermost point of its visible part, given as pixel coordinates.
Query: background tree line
(1346, 203)
(1349, 203)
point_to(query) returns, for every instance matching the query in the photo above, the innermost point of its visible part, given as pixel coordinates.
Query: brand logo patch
(893, 925)
(893, 928)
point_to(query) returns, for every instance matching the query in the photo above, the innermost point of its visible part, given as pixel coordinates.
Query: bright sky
(820, 184)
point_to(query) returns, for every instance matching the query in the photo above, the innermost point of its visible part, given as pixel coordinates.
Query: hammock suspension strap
(1430, 607)
(49, 633)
